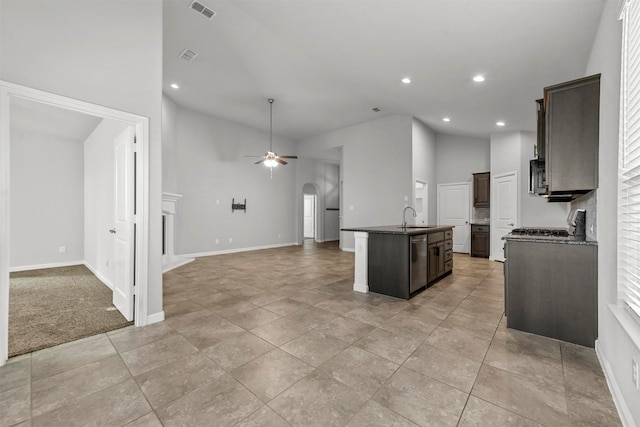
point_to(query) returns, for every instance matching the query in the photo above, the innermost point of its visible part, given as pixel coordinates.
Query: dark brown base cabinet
(551, 290)
(480, 241)
(389, 261)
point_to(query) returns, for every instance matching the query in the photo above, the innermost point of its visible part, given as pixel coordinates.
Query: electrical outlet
(634, 374)
(62, 249)
(279, 236)
(217, 241)
(230, 240)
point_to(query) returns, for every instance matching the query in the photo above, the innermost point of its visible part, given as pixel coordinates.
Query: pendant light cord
(271, 125)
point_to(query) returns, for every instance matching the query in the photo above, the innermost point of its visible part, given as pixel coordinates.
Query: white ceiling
(328, 63)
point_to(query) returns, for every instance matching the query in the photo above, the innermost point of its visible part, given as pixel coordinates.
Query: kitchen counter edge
(397, 229)
(551, 239)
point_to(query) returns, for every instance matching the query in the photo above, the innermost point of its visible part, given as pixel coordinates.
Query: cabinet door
(572, 134)
(481, 190)
(480, 245)
(432, 262)
(440, 262)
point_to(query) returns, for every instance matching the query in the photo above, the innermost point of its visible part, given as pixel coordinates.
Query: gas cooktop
(539, 231)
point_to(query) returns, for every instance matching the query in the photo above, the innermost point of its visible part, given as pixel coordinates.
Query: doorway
(454, 208)
(9, 94)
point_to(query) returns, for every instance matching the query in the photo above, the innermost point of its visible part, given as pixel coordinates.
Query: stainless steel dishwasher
(418, 262)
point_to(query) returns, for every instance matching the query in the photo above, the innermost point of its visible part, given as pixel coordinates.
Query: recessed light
(479, 78)
(175, 86)
(446, 119)
(500, 123)
(406, 80)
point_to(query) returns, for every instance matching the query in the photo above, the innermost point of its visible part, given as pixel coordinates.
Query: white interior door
(454, 208)
(504, 209)
(309, 216)
(124, 229)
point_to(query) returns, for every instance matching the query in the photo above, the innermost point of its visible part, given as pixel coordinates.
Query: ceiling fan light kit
(272, 159)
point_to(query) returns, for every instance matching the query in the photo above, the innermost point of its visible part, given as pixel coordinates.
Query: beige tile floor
(278, 338)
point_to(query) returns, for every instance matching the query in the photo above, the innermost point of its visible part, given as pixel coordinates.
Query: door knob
(112, 231)
(510, 225)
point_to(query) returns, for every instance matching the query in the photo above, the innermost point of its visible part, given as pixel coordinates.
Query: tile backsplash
(481, 214)
(588, 202)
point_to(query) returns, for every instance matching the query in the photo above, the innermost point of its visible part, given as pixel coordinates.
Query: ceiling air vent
(202, 9)
(188, 55)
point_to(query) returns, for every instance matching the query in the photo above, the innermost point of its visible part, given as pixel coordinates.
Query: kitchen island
(401, 261)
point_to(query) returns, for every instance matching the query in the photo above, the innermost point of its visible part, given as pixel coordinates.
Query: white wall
(511, 151)
(614, 345)
(104, 52)
(534, 210)
(423, 158)
(211, 170)
(169, 146)
(46, 200)
(99, 199)
(457, 157)
(376, 171)
(331, 200)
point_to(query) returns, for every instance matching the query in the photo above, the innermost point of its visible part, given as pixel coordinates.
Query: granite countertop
(410, 230)
(570, 240)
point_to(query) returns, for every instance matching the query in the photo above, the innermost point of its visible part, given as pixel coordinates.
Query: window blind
(629, 162)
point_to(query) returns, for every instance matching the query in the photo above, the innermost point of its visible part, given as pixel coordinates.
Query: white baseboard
(618, 398)
(233, 251)
(155, 317)
(41, 266)
(103, 279)
(175, 261)
(349, 249)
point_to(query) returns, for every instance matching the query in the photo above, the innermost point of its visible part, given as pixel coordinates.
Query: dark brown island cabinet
(402, 264)
(480, 240)
(551, 289)
(481, 190)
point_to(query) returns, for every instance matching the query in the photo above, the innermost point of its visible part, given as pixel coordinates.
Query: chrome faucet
(404, 213)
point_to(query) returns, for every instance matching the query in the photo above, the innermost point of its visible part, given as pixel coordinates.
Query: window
(629, 162)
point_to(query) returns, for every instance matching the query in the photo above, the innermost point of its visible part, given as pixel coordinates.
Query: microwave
(537, 177)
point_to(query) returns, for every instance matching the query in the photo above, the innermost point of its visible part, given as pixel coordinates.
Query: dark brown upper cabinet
(571, 129)
(481, 190)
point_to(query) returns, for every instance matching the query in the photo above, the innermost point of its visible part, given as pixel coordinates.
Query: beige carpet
(56, 305)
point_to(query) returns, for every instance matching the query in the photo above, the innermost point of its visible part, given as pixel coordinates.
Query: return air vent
(202, 9)
(188, 55)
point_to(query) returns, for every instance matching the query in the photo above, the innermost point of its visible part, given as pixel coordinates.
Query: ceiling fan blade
(259, 161)
(279, 160)
(253, 156)
(288, 157)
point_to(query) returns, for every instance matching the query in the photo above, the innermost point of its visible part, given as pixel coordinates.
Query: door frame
(314, 214)
(141, 253)
(493, 236)
(469, 211)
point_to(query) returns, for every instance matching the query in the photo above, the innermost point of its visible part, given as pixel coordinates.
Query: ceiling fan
(272, 159)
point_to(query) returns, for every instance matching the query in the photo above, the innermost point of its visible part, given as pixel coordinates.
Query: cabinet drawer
(435, 237)
(448, 244)
(448, 255)
(479, 228)
(448, 234)
(448, 266)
